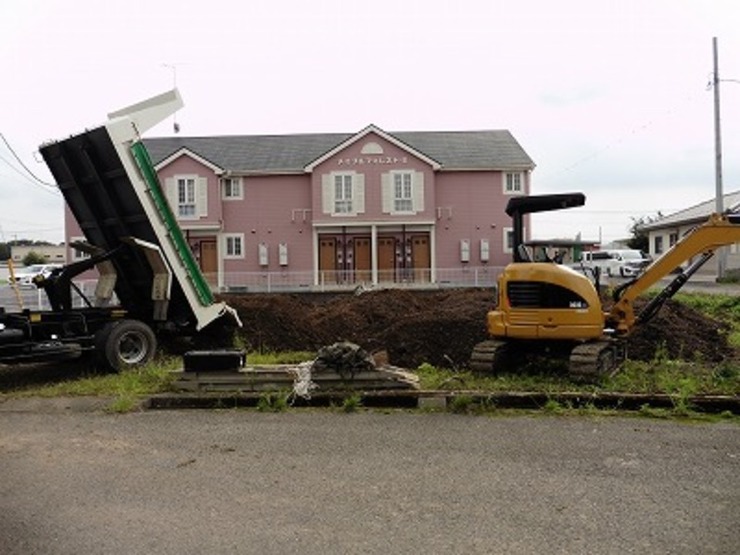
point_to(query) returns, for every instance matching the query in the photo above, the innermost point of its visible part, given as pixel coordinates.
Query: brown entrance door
(209, 261)
(386, 258)
(328, 259)
(362, 259)
(420, 257)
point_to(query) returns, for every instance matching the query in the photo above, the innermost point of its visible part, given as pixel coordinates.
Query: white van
(625, 263)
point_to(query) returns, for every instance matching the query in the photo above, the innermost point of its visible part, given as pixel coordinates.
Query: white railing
(271, 282)
(289, 282)
(35, 299)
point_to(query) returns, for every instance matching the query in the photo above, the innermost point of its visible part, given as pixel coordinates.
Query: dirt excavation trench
(438, 327)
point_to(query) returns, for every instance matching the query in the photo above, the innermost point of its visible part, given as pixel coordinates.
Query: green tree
(33, 258)
(4, 251)
(639, 239)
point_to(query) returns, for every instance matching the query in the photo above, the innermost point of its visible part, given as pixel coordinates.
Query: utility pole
(722, 252)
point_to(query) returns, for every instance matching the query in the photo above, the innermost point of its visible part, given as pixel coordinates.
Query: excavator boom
(718, 231)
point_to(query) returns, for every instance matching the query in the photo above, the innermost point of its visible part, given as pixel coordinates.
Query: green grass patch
(273, 402)
(288, 357)
(722, 307)
(352, 403)
(431, 377)
(156, 377)
(676, 377)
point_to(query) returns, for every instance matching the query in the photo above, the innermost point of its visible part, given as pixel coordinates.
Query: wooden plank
(288, 386)
(283, 378)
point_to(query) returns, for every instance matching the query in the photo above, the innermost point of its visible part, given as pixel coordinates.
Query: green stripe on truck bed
(203, 290)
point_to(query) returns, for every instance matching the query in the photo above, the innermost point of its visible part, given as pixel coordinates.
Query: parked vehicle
(25, 276)
(133, 240)
(632, 262)
(615, 262)
(551, 310)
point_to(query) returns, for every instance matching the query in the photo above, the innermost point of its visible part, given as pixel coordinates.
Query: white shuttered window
(403, 192)
(343, 193)
(188, 196)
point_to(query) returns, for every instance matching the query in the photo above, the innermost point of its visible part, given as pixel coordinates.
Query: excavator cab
(543, 300)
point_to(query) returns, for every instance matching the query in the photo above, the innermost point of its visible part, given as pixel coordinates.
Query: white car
(25, 276)
(632, 262)
(615, 262)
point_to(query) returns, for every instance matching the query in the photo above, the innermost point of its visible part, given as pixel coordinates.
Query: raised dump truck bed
(132, 237)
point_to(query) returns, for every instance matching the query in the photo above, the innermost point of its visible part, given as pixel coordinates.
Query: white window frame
(186, 181)
(513, 183)
(351, 201)
(403, 192)
(232, 188)
(343, 184)
(658, 244)
(233, 246)
(509, 231)
(508, 244)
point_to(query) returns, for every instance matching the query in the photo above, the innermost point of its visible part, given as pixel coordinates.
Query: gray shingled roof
(470, 150)
(693, 214)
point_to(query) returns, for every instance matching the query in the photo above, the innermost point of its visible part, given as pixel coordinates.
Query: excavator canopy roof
(544, 203)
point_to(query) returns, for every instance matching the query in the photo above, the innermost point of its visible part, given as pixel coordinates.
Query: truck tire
(125, 344)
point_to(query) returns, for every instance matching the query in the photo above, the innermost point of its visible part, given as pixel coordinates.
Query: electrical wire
(671, 111)
(44, 188)
(38, 180)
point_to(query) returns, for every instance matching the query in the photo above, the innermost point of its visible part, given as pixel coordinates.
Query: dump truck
(149, 283)
(550, 310)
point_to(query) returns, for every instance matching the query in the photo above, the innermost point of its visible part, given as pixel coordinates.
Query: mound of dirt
(682, 333)
(439, 327)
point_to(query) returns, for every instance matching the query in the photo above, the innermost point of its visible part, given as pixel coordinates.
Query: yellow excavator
(553, 310)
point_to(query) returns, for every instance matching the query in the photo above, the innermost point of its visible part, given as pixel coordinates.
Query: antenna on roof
(173, 67)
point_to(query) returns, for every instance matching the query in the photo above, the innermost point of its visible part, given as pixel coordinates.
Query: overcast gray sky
(608, 98)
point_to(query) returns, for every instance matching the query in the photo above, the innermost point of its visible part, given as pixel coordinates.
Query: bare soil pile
(439, 327)
(682, 333)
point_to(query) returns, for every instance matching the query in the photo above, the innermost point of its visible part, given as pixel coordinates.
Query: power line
(53, 192)
(23, 165)
(621, 139)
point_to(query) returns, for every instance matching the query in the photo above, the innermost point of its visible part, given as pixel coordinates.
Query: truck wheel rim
(132, 348)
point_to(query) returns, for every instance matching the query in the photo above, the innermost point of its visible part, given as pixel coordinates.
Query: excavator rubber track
(489, 356)
(592, 361)
(585, 362)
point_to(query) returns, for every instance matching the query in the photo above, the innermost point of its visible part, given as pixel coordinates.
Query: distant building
(666, 231)
(54, 254)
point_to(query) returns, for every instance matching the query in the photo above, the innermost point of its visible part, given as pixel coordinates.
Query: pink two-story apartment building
(324, 209)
